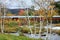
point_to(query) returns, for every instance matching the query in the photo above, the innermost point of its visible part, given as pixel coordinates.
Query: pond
(50, 36)
(54, 37)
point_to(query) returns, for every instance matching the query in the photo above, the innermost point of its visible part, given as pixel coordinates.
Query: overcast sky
(13, 4)
(57, 0)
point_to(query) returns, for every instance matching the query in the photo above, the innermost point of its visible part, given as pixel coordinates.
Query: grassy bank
(13, 37)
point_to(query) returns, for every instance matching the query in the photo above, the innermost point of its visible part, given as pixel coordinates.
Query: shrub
(25, 29)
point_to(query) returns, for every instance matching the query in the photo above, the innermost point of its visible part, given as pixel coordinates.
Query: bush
(57, 31)
(25, 30)
(12, 24)
(10, 29)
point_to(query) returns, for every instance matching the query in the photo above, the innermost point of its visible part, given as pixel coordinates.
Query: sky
(14, 4)
(57, 0)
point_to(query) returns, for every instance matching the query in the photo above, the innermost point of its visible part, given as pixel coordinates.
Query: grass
(13, 37)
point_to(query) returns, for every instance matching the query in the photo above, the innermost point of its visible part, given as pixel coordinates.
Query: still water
(50, 36)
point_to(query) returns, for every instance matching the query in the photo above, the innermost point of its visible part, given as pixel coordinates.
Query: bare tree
(44, 4)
